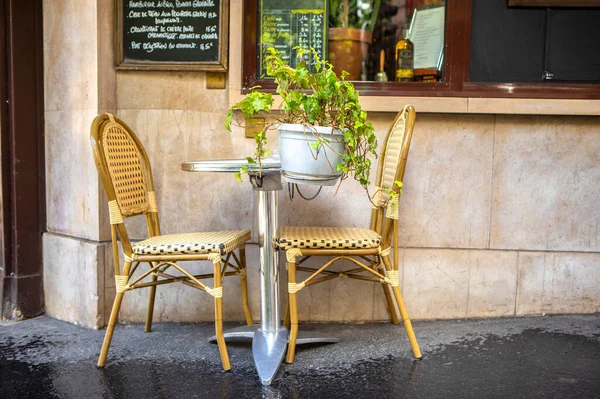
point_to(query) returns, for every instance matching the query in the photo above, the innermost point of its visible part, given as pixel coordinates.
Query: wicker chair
(126, 175)
(369, 249)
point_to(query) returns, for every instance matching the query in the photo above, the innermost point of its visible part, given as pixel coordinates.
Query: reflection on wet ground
(534, 357)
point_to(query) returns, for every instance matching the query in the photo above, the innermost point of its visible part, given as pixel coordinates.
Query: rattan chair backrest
(122, 164)
(395, 150)
(393, 157)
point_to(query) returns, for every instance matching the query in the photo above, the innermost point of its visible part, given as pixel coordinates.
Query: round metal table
(269, 340)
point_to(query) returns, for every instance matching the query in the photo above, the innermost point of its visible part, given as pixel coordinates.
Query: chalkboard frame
(220, 65)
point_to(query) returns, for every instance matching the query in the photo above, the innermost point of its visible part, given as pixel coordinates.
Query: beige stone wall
(499, 213)
(79, 83)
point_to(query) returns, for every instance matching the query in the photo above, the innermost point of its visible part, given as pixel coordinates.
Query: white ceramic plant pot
(302, 164)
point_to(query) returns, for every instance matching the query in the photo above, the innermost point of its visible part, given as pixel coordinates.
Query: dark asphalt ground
(540, 357)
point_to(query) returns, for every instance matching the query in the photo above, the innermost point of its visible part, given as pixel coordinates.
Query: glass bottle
(405, 52)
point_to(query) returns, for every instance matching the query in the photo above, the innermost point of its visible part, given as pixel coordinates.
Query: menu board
(172, 34)
(427, 34)
(288, 24)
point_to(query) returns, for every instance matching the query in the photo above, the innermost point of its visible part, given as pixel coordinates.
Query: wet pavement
(542, 357)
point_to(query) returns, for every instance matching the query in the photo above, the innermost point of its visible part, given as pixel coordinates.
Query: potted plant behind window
(350, 34)
(323, 131)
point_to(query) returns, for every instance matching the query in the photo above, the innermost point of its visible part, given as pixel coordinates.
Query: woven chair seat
(220, 242)
(328, 237)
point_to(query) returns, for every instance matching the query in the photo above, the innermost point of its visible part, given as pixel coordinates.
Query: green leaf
(250, 160)
(238, 176)
(229, 119)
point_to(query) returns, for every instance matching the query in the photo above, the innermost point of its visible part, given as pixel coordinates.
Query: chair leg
(293, 309)
(219, 320)
(407, 324)
(110, 329)
(151, 297)
(388, 297)
(390, 303)
(405, 318)
(287, 320)
(244, 284)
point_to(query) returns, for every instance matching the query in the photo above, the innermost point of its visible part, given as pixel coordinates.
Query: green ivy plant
(260, 152)
(312, 95)
(392, 193)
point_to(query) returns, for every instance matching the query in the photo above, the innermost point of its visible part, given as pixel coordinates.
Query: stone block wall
(492, 221)
(79, 81)
(499, 214)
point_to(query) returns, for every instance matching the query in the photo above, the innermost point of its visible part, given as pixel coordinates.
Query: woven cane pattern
(394, 278)
(291, 254)
(385, 252)
(295, 287)
(152, 205)
(114, 213)
(380, 197)
(193, 243)
(215, 258)
(328, 237)
(215, 292)
(391, 211)
(121, 284)
(393, 151)
(125, 169)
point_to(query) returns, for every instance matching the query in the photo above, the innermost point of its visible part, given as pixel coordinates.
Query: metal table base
(269, 340)
(268, 348)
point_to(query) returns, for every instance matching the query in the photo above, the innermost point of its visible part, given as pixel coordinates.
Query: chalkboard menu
(172, 34)
(285, 24)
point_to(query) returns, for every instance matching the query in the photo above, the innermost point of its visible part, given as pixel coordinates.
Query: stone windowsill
(460, 105)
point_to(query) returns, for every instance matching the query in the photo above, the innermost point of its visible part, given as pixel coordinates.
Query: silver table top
(270, 164)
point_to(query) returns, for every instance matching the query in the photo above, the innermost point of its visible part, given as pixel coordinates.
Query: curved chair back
(125, 173)
(392, 164)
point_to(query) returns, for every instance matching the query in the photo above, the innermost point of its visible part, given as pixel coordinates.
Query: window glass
(372, 40)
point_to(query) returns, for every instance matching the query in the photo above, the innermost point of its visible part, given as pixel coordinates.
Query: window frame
(456, 67)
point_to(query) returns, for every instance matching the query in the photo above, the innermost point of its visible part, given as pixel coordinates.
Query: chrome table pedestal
(269, 340)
